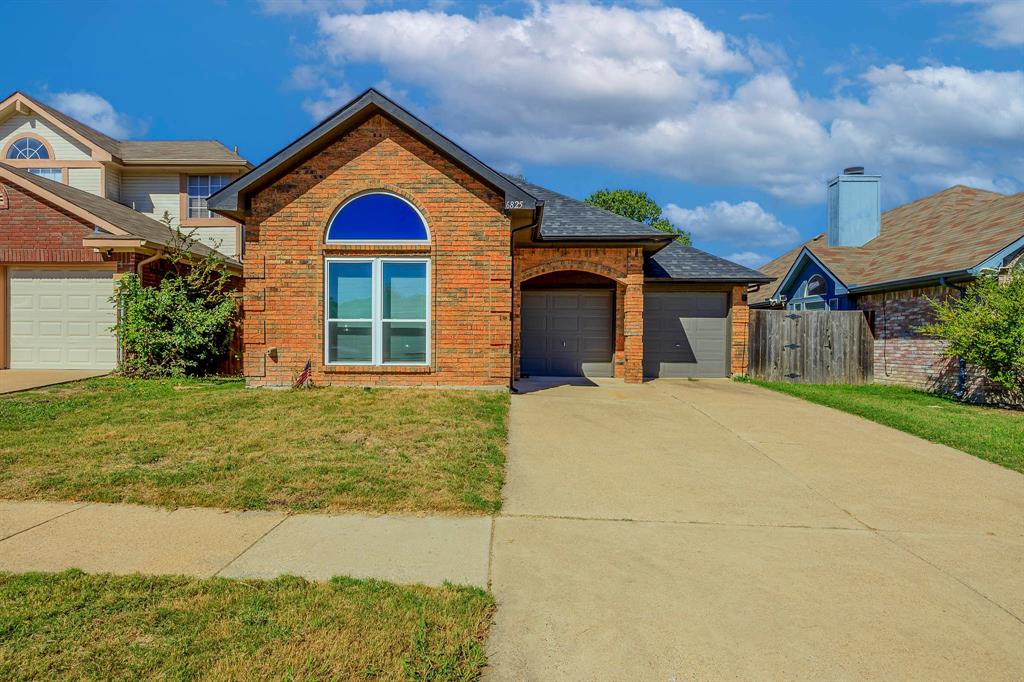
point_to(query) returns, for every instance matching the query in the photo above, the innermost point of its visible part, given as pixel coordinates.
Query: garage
(686, 334)
(61, 319)
(568, 332)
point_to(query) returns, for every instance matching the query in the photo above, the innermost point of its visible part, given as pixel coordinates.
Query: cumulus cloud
(95, 111)
(1002, 22)
(654, 89)
(743, 223)
(748, 258)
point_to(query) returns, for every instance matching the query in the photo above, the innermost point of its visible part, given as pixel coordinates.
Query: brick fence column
(633, 327)
(740, 330)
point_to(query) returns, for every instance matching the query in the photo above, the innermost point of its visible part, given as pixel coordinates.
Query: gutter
(533, 227)
(911, 282)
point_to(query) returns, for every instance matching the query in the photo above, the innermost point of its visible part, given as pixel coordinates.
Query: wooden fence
(811, 347)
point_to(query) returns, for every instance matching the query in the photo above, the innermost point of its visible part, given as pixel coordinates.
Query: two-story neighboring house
(77, 210)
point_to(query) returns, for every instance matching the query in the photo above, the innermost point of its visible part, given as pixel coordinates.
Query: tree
(985, 327)
(638, 206)
(185, 324)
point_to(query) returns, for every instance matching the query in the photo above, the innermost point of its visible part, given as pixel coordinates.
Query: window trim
(360, 195)
(376, 312)
(51, 156)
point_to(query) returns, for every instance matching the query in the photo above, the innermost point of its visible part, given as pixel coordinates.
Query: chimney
(854, 208)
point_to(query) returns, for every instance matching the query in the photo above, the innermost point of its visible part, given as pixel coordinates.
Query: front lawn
(990, 433)
(73, 626)
(215, 443)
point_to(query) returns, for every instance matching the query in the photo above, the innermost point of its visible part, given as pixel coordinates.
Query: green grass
(215, 443)
(990, 433)
(73, 626)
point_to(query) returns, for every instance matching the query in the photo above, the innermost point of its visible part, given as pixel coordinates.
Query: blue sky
(732, 115)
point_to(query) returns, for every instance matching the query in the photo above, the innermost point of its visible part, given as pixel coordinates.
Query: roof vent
(854, 170)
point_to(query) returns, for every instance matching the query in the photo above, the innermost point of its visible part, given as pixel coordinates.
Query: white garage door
(61, 319)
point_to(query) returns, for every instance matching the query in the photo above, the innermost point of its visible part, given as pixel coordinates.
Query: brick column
(740, 327)
(633, 327)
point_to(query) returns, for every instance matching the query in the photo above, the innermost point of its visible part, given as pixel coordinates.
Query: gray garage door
(568, 332)
(685, 334)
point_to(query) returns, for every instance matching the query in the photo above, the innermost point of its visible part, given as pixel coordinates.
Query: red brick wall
(623, 265)
(469, 251)
(34, 231)
(740, 314)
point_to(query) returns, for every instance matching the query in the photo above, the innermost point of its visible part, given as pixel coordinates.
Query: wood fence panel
(811, 346)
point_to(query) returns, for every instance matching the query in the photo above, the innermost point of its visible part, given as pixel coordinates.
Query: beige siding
(87, 179)
(224, 239)
(113, 184)
(64, 146)
(152, 195)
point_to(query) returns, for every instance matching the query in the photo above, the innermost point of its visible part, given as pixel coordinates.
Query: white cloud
(654, 89)
(97, 112)
(748, 258)
(743, 223)
(1002, 22)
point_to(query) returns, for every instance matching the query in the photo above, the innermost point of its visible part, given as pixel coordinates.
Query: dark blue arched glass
(374, 217)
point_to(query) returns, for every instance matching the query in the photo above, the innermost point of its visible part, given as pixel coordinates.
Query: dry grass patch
(216, 444)
(76, 626)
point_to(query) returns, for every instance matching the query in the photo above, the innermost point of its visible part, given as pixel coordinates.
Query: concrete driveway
(713, 530)
(12, 380)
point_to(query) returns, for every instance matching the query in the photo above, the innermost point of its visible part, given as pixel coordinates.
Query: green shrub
(184, 325)
(986, 328)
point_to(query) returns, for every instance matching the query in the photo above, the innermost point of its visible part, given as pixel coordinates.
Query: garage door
(685, 334)
(568, 332)
(61, 319)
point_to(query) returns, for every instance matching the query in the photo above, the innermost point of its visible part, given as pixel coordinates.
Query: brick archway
(565, 265)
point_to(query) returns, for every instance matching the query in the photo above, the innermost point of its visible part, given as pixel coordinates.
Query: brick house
(78, 210)
(892, 265)
(385, 254)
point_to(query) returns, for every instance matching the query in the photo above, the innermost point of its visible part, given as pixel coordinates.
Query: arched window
(377, 217)
(816, 286)
(28, 148)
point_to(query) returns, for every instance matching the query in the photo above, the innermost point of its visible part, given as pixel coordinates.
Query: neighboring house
(67, 231)
(892, 265)
(150, 176)
(384, 253)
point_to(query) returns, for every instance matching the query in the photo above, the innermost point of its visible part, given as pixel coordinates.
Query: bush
(183, 326)
(985, 327)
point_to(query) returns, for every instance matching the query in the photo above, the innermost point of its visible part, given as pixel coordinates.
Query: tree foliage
(638, 206)
(985, 327)
(184, 325)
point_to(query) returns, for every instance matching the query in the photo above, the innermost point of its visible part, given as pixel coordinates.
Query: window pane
(405, 341)
(350, 290)
(349, 342)
(405, 291)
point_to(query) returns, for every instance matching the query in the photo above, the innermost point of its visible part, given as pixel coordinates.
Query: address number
(509, 205)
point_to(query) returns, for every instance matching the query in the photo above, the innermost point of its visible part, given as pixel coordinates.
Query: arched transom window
(28, 148)
(377, 217)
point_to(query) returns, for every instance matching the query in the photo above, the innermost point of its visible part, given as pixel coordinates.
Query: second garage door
(61, 319)
(568, 332)
(686, 334)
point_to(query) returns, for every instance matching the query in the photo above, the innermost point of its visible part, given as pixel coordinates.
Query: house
(77, 210)
(892, 265)
(383, 253)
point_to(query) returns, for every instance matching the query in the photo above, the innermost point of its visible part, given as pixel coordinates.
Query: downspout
(961, 375)
(539, 214)
(146, 261)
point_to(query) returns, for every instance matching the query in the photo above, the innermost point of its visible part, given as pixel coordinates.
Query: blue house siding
(794, 291)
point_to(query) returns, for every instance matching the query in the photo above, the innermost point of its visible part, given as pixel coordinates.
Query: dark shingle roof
(565, 217)
(682, 262)
(129, 220)
(101, 140)
(178, 151)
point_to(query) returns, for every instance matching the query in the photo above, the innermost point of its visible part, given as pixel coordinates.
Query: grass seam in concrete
(46, 521)
(251, 545)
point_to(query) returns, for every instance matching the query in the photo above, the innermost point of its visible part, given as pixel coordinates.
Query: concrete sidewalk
(115, 538)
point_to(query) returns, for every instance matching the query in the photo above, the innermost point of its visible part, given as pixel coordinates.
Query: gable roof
(568, 218)
(104, 213)
(138, 151)
(948, 232)
(230, 200)
(685, 263)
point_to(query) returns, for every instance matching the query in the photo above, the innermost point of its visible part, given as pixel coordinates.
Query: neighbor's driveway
(12, 380)
(708, 530)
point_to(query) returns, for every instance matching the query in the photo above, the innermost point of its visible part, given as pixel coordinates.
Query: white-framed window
(54, 174)
(200, 187)
(377, 311)
(28, 148)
